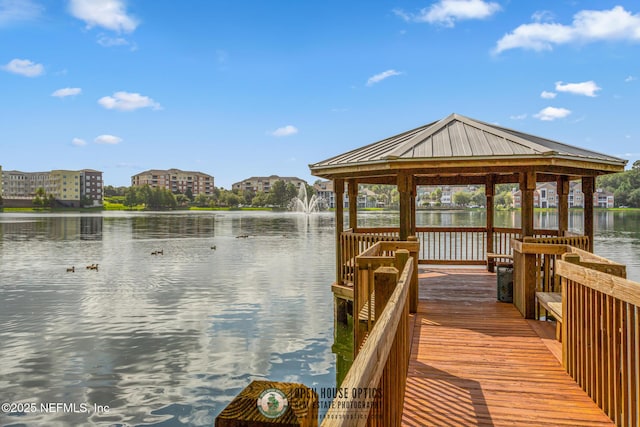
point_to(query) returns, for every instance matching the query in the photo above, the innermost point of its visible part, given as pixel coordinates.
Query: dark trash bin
(504, 273)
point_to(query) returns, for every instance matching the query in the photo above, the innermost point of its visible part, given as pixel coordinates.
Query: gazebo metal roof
(469, 147)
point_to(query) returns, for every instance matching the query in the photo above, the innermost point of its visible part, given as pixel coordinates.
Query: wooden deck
(477, 362)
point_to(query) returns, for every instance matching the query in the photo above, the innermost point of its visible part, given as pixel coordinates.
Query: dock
(475, 361)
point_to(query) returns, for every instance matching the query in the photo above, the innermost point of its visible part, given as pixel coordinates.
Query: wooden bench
(552, 302)
(492, 257)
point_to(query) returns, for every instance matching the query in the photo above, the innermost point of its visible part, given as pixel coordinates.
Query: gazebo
(458, 150)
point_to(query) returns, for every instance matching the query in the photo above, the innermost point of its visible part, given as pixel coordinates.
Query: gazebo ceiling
(459, 146)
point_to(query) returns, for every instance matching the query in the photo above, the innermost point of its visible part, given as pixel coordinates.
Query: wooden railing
(438, 245)
(601, 338)
(373, 390)
(452, 245)
(353, 244)
(534, 265)
(382, 254)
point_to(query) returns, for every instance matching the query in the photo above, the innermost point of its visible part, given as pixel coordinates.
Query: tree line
(625, 186)
(279, 196)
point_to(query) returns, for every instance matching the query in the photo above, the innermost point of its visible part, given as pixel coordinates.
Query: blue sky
(243, 88)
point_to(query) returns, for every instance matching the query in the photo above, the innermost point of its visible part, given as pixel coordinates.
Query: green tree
(182, 199)
(634, 198)
(261, 199)
(202, 200)
(247, 197)
(290, 192)
(189, 194)
(279, 192)
(436, 195)
(233, 199)
(131, 197)
(504, 199)
(40, 200)
(479, 198)
(143, 195)
(110, 191)
(462, 198)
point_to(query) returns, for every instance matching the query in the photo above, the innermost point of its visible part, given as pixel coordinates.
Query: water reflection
(162, 340)
(171, 339)
(63, 227)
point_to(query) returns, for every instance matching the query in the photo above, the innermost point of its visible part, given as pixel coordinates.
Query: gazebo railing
(438, 245)
(353, 244)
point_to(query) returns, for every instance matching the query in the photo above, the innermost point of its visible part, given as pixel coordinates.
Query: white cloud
(629, 79)
(109, 14)
(585, 88)
(384, 75)
(518, 117)
(107, 139)
(18, 11)
(552, 113)
(587, 26)
(542, 16)
(127, 101)
(285, 131)
(67, 91)
(447, 12)
(24, 67)
(107, 41)
(547, 95)
(78, 142)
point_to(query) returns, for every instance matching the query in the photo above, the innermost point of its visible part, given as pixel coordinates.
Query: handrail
(534, 266)
(377, 377)
(381, 254)
(601, 338)
(438, 245)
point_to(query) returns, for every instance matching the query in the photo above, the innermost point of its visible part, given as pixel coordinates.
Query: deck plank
(476, 362)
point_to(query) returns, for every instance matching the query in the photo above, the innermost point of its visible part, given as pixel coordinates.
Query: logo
(272, 403)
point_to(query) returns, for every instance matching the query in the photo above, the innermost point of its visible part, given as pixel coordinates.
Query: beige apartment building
(546, 196)
(67, 186)
(175, 180)
(264, 183)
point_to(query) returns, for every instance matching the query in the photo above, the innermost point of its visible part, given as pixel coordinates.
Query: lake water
(169, 340)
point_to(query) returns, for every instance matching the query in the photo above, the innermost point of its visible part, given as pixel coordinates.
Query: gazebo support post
(588, 188)
(353, 205)
(414, 192)
(527, 187)
(489, 191)
(338, 189)
(405, 187)
(562, 185)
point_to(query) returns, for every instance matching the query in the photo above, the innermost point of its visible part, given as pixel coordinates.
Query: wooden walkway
(477, 362)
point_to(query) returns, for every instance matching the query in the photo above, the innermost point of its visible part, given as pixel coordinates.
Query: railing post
(338, 188)
(402, 255)
(268, 403)
(385, 280)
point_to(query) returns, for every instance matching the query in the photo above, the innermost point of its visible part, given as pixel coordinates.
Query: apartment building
(264, 183)
(91, 186)
(546, 196)
(175, 180)
(324, 190)
(64, 185)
